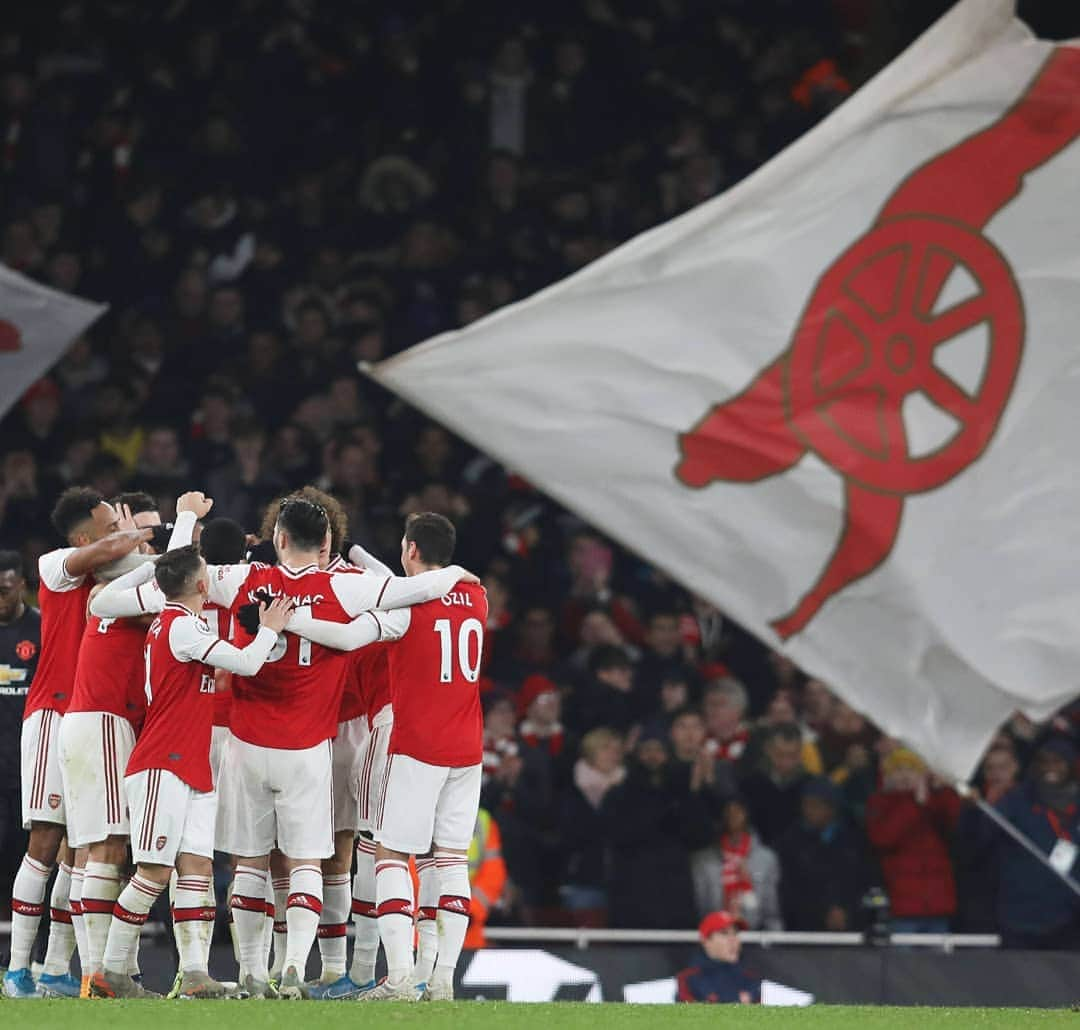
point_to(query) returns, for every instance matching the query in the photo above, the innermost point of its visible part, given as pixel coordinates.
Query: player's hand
(124, 541)
(275, 615)
(124, 519)
(195, 501)
(469, 577)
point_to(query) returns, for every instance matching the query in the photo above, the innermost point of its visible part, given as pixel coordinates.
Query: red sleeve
(684, 992)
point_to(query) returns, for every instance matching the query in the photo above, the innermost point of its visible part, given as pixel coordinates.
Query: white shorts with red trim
(373, 775)
(42, 782)
(425, 805)
(169, 817)
(348, 749)
(94, 752)
(275, 797)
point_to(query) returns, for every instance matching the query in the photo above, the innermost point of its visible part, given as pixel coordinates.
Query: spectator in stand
(500, 730)
(664, 655)
(724, 703)
(584, 832)
(162, 468)
(609, 698)
(653, 825)
(846, 742)
(823, 864)
(817, 705)
(243, 488)
(977, 867)
(695, 761)
(910, 822)
(773, 791)
(590, 562)
(539, 706)
(1034, 908)
(533, 651)
(717, 977)
(738, 874)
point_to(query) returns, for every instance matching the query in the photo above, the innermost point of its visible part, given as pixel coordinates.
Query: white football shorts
(94, 752)
(424, 805)
(169, 818)
(42, 781)
(348, 750)
(273, 797)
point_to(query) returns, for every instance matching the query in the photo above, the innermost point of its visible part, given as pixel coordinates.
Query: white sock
(61, 932)
(133, 953)
(366, 941)
(337, 898)
(394, 896)
(206, 924)
(427, 914)
(101, 888)
(455, 896)
(78, 924)
(268, 922)
(27, 908)
(302, 912)
(129, 912)
(281, 927)
(248, 906)
(189, 920)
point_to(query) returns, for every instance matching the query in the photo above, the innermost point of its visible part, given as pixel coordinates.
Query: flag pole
(1024, 841)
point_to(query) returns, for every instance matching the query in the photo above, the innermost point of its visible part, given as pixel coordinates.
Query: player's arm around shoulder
(132, 594)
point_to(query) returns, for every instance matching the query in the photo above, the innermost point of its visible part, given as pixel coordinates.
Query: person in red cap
(539, 707)
(718, 977)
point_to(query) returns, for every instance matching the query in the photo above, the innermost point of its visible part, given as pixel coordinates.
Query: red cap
(534, 686)
(715, 922)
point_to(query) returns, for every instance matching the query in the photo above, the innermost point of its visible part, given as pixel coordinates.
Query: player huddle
(283, 713)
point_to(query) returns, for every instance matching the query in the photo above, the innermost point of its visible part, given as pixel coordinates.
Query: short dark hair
(434, 536)
(685, 711)
(139, 501)
(74, 506)
(176, 569)
(788, 732)
(11, 561)
(305, 521)
(223, 542)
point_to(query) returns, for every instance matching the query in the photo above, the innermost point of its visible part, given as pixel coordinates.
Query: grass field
(157, 1015)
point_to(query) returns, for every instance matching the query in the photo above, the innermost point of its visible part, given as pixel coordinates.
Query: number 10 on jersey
(470, 628)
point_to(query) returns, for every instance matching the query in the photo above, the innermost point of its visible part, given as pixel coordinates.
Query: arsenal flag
(842, 400)
(36, 326)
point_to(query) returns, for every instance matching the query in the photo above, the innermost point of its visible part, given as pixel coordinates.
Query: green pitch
(161, 1015)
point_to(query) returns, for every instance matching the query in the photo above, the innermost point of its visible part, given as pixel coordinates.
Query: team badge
(25, 650)
(54, 801)
(160, 842)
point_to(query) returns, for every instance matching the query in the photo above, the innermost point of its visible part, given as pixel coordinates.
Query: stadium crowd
(268, 195)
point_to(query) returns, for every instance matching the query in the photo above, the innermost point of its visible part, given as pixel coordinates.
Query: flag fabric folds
(841, 401)
(37, 324)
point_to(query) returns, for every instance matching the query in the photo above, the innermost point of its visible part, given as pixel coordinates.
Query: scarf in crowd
(549, 739)
(734, 849)
(593, 783)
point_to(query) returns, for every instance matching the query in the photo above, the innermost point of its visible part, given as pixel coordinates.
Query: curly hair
(339, 521)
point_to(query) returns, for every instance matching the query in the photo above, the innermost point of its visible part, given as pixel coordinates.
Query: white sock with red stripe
(190, 916)
(27, 908)
(427, 927)
(281, 927)
(129, 916)
(454, 899)
(78, 924)
(366, 925)
(248, 906)
(302, 912)
(394, 897)
(337, 898)
(133, 955)
(101, 888)
(61, 932)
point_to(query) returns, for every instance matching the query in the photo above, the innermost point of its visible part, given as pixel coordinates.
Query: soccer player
(90, 527)
(276, 779)
(431, 792)
(96, 738)
(169, 783)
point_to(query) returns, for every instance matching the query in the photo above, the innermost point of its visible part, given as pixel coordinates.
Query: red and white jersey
(373, 668)
(62, 600)
(294, 700)
(434, 680)
(221, 622)
(352, 697)
(109, 673)
(180, 699)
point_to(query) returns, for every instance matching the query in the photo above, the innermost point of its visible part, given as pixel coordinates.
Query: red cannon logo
(868, 336)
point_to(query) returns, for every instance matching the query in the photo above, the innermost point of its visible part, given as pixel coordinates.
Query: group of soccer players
(299, 714)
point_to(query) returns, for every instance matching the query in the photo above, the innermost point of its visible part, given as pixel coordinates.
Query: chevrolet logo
(10, 675)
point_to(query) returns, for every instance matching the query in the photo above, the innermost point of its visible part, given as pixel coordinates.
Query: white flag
(842, 400)
(36, 326)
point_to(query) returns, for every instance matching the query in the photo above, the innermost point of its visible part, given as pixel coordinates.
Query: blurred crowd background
(267, 193)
